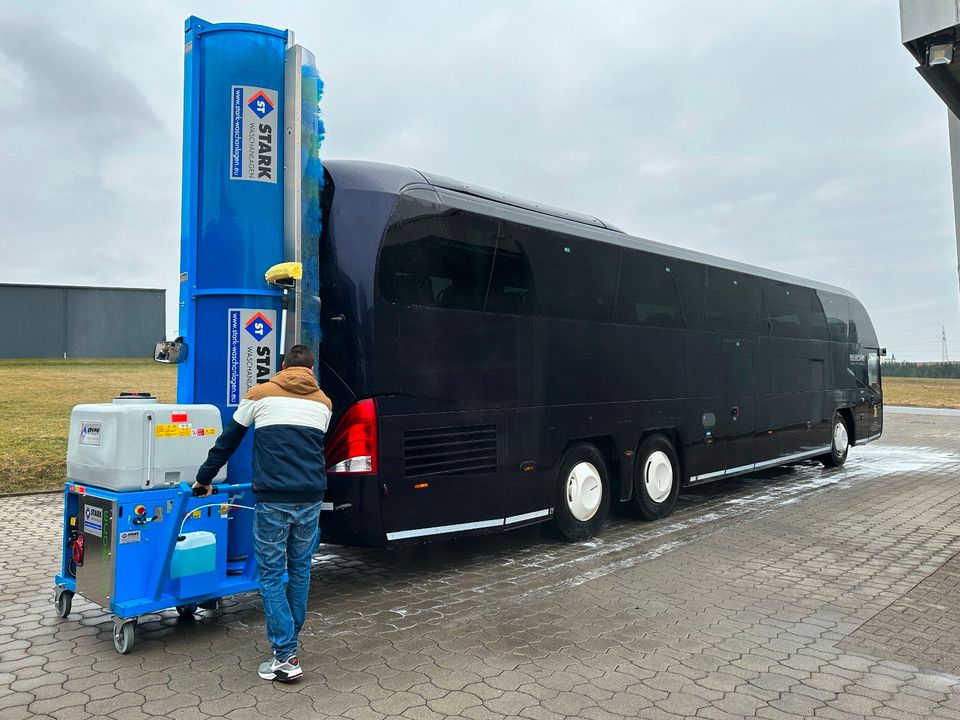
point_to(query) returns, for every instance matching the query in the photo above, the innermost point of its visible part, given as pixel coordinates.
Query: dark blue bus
(495, 363)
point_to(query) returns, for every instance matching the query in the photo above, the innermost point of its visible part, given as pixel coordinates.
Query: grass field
(921, 392)
(35, 401)
(36, 397)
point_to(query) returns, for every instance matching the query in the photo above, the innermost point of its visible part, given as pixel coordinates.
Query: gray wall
(46, 321)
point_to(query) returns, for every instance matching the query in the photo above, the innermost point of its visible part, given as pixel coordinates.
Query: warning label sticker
(253, 133)
(93, 521)
(168, 430)
(251, 358)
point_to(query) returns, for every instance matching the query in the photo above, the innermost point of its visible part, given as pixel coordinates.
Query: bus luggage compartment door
(738, 418)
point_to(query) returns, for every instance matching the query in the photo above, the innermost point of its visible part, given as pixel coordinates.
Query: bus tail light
(353, 445)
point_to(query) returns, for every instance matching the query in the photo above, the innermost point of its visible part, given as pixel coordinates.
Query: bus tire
(656, 479)
(839, 442)
(583, 494)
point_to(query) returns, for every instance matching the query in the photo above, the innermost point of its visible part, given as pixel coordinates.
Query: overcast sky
(796, 136)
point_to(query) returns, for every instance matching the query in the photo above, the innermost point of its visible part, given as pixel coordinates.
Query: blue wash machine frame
(128, 554)
(251, 187)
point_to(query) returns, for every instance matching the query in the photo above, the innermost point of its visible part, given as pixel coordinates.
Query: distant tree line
(894, 368)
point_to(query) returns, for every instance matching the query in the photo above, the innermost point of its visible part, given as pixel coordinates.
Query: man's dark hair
(298, 356)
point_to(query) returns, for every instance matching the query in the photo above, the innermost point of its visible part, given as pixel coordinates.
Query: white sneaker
(273, 669)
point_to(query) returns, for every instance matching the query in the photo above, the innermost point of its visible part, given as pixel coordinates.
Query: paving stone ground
(792, 593)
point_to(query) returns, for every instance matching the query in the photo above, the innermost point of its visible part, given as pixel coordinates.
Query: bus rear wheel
(583, 494)
(839, 443)
(656, 479)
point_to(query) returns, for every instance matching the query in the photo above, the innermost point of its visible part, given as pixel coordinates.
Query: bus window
(818, 318)
(861, 329)
(511, 285)
(730, 303)
(785, 310)
(873, 370)
(576, 279)
(836, 311)
(435, 256)
(690, 279)
(648, 292)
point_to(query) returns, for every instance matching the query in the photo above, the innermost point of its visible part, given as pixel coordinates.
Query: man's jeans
(285, 535)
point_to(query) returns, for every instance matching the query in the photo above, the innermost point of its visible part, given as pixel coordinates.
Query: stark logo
(258, 326)
(260, 104)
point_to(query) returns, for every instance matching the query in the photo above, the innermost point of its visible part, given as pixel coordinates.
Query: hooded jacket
(291, 415)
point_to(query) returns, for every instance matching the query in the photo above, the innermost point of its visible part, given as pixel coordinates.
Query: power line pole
(944, 357)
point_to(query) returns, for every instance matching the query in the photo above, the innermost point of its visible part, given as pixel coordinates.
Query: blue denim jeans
(285, 536)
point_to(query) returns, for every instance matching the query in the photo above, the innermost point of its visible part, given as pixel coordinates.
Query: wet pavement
(798, 592)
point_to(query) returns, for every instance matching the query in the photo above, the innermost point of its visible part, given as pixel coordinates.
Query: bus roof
(393, 179)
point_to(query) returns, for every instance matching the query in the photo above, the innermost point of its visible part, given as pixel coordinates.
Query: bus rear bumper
(350, 513)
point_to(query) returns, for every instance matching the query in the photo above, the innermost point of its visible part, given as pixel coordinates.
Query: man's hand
(207, 489)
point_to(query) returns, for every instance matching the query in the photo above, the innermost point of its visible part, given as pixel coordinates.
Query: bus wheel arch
(582, 494)
(841, 438)
(657, 476)
(847, 414)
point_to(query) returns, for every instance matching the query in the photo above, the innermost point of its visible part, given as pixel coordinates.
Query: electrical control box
(137, 443)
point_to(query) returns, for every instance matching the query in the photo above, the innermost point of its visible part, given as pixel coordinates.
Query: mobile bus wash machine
(496, 363)
(135, 539)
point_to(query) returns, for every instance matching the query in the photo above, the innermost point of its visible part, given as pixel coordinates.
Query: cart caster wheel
(210, 605)
(123, 636)
(187, 611)
(63, 603)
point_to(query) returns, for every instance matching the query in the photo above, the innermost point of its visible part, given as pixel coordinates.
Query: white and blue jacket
(290, 414)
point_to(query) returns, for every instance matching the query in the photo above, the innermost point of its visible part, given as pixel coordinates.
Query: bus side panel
(707, 452)
(791, 382)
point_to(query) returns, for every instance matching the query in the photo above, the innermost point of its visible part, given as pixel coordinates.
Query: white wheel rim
(840, 439)
(658, 476)
(584, 491)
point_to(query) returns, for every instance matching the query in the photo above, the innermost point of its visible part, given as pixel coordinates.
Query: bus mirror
(174, 352)
(883, 352)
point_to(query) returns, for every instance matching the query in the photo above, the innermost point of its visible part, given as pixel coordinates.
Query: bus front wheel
(583, 494)
(656, 479)
(839, 443)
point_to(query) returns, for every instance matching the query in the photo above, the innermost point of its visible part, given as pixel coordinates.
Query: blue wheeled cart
(135, 553)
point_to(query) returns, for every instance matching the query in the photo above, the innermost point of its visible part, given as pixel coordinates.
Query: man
(291, 414)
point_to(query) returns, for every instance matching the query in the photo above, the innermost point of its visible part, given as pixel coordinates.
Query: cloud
(743, 129)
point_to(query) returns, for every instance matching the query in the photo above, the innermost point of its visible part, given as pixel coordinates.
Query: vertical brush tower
(233, 215)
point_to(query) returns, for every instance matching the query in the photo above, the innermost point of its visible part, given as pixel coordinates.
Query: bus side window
(785, 309)
(511, 289)
(818, 318)
(861, 329)
(690, 279)
(648, 291)
(435, 256)
(836, 311)
(731, 301)
(576, 279)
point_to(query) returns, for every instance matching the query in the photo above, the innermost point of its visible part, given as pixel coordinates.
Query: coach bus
(495, 363)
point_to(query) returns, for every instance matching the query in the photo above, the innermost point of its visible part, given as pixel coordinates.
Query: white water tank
(137, 443)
